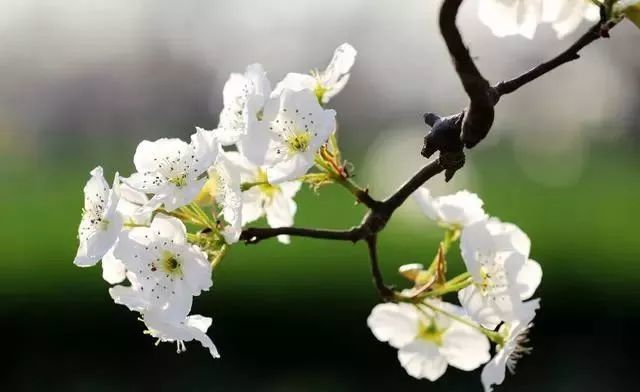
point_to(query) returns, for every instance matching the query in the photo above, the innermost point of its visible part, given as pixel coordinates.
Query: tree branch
(449, 135)
(572, 53)
(255, 235)
(385, 292)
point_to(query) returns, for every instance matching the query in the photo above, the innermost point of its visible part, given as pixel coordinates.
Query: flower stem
(492, 335)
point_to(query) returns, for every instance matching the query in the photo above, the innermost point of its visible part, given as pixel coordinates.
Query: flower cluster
(494, 296)
(165, 227)
(522, 17)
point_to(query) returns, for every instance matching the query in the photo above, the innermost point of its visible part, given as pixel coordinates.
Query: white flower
(521, 17)
(326, 84)
(244, 97)
(429, 341)
(228, 195)
(293, 129)
(566, 15)
(460, 209)
(513, 348)
(511, 17)
(101, 223)
(190, 328)
(497, 257)
(165, 271)
(113, 269)
(274, 201)
(172, 170)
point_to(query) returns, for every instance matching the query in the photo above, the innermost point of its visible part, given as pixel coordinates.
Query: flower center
(179, 181)
(170, 264)
(298, 142)
(430, 332)
(265, 188)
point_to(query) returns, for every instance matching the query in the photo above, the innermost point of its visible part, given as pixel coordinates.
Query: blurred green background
(82, 83)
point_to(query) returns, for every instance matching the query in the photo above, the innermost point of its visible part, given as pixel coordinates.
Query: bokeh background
(82, 82)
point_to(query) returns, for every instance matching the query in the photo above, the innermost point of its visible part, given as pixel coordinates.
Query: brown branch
(449, 135)
(255, 235)
(386, 292)
(572, 53)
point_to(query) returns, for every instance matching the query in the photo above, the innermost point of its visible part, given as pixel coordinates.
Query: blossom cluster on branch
(161, 231)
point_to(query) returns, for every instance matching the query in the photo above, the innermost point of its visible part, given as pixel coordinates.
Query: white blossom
(192, 327)
(515, 338)
(459, 209)
(244, 97)
(228, 195)
(293, 129)
(324, 84)
(164, 270)
(496, 255)
(101, 223)
(172, 170)
(274, 201)
(521, 17)
(429, 341)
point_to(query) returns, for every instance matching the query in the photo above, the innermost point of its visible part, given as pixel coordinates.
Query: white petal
(290, 169)
(493, 372)
(169, 227)
(113, 270)
(478, 308)
(464, 347)
(423, 198)
(529, 278)
(422, 359)
(280, 211)
(394, 323)
(295, 82)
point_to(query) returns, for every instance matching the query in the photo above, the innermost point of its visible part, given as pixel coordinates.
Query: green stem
(134, 225)
(493, 335)
(245, 186)
(216, 260)
(203, 215)
(448, 288)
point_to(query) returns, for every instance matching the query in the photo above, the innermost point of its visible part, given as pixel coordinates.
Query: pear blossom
(164, 270)
(496, 255)
(225, 176)
(429, 341)
(192, 327)
(294, 126)
(325, 84)
(458, 210)
(172, 170)
(521, 17)
(101, 223)
(244, 96)
(511, 350)
(274, 201)
(129, 206)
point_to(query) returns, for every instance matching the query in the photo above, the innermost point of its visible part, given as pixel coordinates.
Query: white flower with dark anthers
(172, 170)
(192, 327)
(497, 257)
(325, 84)
(228, 196)
(512, 349)
(429, 341)
(274, 201)
(459, 209)
(244, 96)
(165, 271)
(101, 223)
(521, 17)
(297, 126)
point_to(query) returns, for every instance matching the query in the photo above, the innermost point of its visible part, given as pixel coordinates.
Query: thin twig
(255, 235)
(385, 292)
(572, 53)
